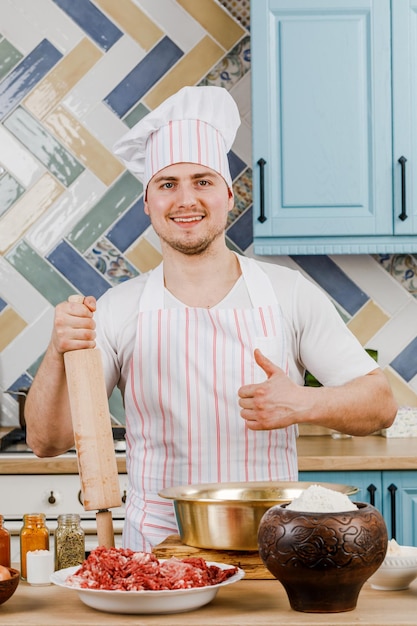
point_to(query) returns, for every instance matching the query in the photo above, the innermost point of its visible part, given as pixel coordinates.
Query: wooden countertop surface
(248, 602)
(357, 453)
(315, 453)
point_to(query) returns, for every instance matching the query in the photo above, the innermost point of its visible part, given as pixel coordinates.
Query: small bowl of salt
(398, 569)
(322, 547)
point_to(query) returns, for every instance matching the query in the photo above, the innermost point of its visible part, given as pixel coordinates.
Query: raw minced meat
(125, 570)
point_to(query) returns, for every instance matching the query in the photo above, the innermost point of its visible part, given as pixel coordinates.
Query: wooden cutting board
(250, 561)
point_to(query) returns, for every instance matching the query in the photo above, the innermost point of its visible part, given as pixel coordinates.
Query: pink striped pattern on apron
(182, 411)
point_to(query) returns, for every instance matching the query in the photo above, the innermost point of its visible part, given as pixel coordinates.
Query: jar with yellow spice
(34, 535)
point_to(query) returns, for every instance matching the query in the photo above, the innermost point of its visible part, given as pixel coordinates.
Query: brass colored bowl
(226, 516)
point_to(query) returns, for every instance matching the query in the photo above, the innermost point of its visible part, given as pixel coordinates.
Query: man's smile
(197, 218)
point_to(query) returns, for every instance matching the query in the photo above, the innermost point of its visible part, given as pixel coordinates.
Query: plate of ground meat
(119, 580)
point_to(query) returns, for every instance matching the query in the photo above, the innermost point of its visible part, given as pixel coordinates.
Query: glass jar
(4, 544)
(69, 541)
(34, 535)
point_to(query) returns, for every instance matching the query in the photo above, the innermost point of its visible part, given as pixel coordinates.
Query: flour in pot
(318, 499)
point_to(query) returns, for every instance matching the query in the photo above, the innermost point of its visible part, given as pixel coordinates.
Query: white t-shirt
(318, 339)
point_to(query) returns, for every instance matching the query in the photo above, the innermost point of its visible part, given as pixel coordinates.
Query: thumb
(91, 303)
(268, 366)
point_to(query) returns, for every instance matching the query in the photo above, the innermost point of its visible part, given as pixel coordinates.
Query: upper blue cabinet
(334, 102)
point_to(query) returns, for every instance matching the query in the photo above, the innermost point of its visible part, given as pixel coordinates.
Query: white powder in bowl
(394, 549)
(318, 499)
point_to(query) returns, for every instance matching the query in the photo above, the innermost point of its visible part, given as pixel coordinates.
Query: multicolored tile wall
(74, 76)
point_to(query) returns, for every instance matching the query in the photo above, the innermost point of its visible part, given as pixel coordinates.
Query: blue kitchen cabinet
(334, 105)
(394, 493)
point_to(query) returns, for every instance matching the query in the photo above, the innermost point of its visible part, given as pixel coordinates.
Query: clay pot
(322, 559)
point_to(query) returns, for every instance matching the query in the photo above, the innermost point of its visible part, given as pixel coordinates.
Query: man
(209, 349)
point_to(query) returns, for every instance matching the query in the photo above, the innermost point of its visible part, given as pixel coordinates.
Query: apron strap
(257, 282)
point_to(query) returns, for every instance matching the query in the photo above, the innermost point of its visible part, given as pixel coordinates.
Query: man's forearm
(47, 413)
(360, 407)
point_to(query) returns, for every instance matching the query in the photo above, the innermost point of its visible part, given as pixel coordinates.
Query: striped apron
(182, 414)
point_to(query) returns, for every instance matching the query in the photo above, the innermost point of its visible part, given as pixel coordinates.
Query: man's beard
(194, 246)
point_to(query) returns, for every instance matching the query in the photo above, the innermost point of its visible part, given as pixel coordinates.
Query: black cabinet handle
(403, 215)
(392, 489)
(371, 488)
(262, 217)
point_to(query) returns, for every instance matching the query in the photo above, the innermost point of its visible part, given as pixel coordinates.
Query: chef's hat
(195, 125)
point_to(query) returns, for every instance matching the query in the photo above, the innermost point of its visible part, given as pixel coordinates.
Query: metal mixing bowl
(226, 516)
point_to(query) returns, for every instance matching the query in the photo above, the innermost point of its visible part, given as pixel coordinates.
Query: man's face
(188, 206)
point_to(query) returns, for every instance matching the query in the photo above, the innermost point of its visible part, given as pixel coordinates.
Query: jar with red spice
(4, 544)
(34, 535)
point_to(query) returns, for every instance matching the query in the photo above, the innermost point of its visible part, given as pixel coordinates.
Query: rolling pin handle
(105, 533)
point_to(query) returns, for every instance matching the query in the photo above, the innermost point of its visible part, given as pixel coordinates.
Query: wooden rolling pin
(93, 436)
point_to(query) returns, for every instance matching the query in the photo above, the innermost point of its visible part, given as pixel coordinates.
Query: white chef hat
(195, 125)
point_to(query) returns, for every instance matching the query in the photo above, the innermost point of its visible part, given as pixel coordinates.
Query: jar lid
(69, 518)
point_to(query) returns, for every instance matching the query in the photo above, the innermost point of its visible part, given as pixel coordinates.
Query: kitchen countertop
(315, 453)
(248, 602)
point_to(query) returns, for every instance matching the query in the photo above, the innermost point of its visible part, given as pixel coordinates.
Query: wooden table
(246, 603)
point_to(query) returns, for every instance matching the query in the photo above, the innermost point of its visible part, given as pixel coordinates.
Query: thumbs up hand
(276, 402)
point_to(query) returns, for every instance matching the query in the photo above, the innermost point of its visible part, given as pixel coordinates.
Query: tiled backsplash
(74, 76)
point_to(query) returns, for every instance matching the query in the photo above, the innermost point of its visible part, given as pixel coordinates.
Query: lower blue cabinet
(394, 493)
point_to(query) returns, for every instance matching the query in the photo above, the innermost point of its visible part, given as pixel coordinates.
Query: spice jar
(34, 535)
(69, 541)
(4, 544)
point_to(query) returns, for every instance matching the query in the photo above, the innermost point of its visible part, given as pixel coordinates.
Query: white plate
(137, 602)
